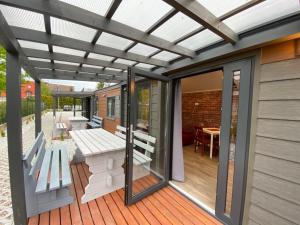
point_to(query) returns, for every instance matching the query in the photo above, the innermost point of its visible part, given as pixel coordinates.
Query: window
(143, 114)
(28, 94)
(111, 102)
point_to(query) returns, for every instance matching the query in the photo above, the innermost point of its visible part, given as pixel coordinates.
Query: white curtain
(178, 163)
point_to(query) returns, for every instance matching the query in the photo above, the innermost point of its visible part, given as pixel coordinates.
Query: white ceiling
(203, 82)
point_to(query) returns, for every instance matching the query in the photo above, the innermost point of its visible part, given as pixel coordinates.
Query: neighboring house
(27, 90)
(60, 87)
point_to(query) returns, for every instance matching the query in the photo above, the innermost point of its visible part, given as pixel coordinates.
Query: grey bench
(47, 177)
(96, 122)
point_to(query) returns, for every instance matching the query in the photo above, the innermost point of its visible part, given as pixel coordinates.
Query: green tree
(2, 69)
(46, 96)
(100, 85)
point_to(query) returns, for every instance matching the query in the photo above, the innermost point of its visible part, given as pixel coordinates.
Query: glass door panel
(147, 147)
(236, 107)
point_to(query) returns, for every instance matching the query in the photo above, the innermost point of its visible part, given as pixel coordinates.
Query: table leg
(211, 145)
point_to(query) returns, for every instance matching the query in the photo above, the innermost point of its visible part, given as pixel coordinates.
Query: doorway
(214, 108)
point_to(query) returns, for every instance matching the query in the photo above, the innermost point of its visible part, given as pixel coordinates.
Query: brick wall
(206, 114)
(109, 124)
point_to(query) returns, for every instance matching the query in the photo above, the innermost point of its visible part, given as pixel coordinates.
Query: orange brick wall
(109, 124)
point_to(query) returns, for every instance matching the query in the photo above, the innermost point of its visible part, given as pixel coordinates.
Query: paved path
(28, 137)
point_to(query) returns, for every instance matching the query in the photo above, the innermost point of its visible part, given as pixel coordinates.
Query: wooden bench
(142, 142)
(47, 177)
(96, 122)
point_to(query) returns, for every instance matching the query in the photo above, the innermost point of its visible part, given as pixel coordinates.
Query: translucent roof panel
(176, 27)
(142, 49)
(23, 18)
(144, 66)
(200, 40)
(262, 13)
(219, 8)
(166, 56)
(125, 61)
(100, 57)
(71, 30)
(96, 6)
(68, 51)
(66, 63)
(141, 14)
(114, 69)
(33, 45)
(92, 66)
(113, 41)
(39, 59)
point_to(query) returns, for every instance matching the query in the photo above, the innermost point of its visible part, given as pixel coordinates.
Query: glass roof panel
(219, 8)
(96, 6)
(142, 49)
(23, 18)
(176, 27)
(92, 66)
(166, 56)
(114, 69)
(71, 30)
(200, 40)
(125, 61)
(66, 63)
(39, 59)
(69, 51)
(100, 57)
(33, 45)
(141, 14)
(262, 13)
(144, 66)
(113, 41)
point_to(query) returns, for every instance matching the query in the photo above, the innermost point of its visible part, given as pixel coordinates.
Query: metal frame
(131, 115)
(38, 108)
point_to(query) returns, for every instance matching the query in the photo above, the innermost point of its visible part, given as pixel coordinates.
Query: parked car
(67, 108)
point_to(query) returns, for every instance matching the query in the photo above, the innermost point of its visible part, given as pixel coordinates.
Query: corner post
(74, 107)
(14, 138)
(38, 111)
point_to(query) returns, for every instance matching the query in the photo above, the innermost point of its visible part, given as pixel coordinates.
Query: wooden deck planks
(166, 206)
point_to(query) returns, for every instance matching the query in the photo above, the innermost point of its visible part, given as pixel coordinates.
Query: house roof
(97, 40)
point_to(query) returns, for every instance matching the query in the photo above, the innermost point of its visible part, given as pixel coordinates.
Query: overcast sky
(78, 85)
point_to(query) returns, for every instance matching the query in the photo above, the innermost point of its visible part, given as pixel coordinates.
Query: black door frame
(131, 103)
(238, 201)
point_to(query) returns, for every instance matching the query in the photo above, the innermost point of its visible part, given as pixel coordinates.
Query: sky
(78, 85)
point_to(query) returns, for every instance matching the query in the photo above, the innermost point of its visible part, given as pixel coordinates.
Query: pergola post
(92, 101)
(38, 113)
(14, 137)
(74, 105)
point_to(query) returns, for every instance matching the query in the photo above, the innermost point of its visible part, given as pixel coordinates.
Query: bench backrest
(142, 140)
(97, 119)
(33, 159)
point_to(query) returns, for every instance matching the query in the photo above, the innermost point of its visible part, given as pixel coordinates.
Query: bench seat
(96, 122)
(61, 126)
(47, 177)
(139, 158)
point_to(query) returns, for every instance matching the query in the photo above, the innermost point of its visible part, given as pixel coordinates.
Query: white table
(104, 153)
(213, 132)
(78, 122)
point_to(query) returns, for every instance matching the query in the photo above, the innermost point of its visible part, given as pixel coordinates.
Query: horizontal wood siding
(275, 196)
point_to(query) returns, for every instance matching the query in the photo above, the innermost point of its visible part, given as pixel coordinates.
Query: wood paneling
(298, 47)
(163, 207)
(288, 69)
(278, 52)
(275, 197)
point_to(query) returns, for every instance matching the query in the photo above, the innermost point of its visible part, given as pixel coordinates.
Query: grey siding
(275, 195)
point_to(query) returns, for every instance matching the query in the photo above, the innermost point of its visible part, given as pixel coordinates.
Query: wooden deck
(166, 206)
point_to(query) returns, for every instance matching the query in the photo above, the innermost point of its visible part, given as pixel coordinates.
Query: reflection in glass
(233, 133)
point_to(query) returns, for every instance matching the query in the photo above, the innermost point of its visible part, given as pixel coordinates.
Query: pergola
(97, 40)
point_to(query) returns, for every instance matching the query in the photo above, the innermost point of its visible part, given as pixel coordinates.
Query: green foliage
(2, 69)
(100, 85)
(62, 138)
(2, 133)
(46, 96)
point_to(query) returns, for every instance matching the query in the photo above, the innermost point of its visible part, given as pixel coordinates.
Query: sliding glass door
(148, 131)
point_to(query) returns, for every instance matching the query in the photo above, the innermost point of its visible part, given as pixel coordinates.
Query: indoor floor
(201, 177)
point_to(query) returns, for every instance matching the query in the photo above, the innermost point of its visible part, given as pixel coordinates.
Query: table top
(77, 118)
(212, 130)
(97, 141)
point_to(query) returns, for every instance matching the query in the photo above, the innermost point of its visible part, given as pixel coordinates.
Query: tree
(46, 96)
(2, 69)
(100, 85)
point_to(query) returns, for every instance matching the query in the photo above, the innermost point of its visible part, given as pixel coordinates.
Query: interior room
(201, 97)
